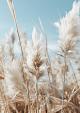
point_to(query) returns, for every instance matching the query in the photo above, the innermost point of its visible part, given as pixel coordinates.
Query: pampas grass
(32, 82)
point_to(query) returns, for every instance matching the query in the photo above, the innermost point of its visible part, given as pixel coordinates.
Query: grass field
(33, 82)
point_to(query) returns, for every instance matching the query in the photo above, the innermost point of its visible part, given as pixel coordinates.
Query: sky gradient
(28, 12)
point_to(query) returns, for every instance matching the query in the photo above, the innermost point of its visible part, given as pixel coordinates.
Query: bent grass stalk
(13, 12)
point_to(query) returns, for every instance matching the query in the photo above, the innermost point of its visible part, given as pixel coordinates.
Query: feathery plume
(69, 29)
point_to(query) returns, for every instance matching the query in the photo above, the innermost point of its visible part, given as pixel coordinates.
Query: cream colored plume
(69, 28)
(38, 39)
(37, 45)
(14, 79)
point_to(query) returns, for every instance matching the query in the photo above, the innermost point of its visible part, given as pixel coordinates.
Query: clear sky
(28, 12)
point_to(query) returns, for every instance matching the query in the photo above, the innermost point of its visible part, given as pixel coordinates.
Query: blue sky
(28, 12)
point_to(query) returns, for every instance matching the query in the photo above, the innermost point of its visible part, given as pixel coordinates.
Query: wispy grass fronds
(69, 29)
(32, 82)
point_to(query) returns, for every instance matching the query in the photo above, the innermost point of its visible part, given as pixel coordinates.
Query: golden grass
(32, 82)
